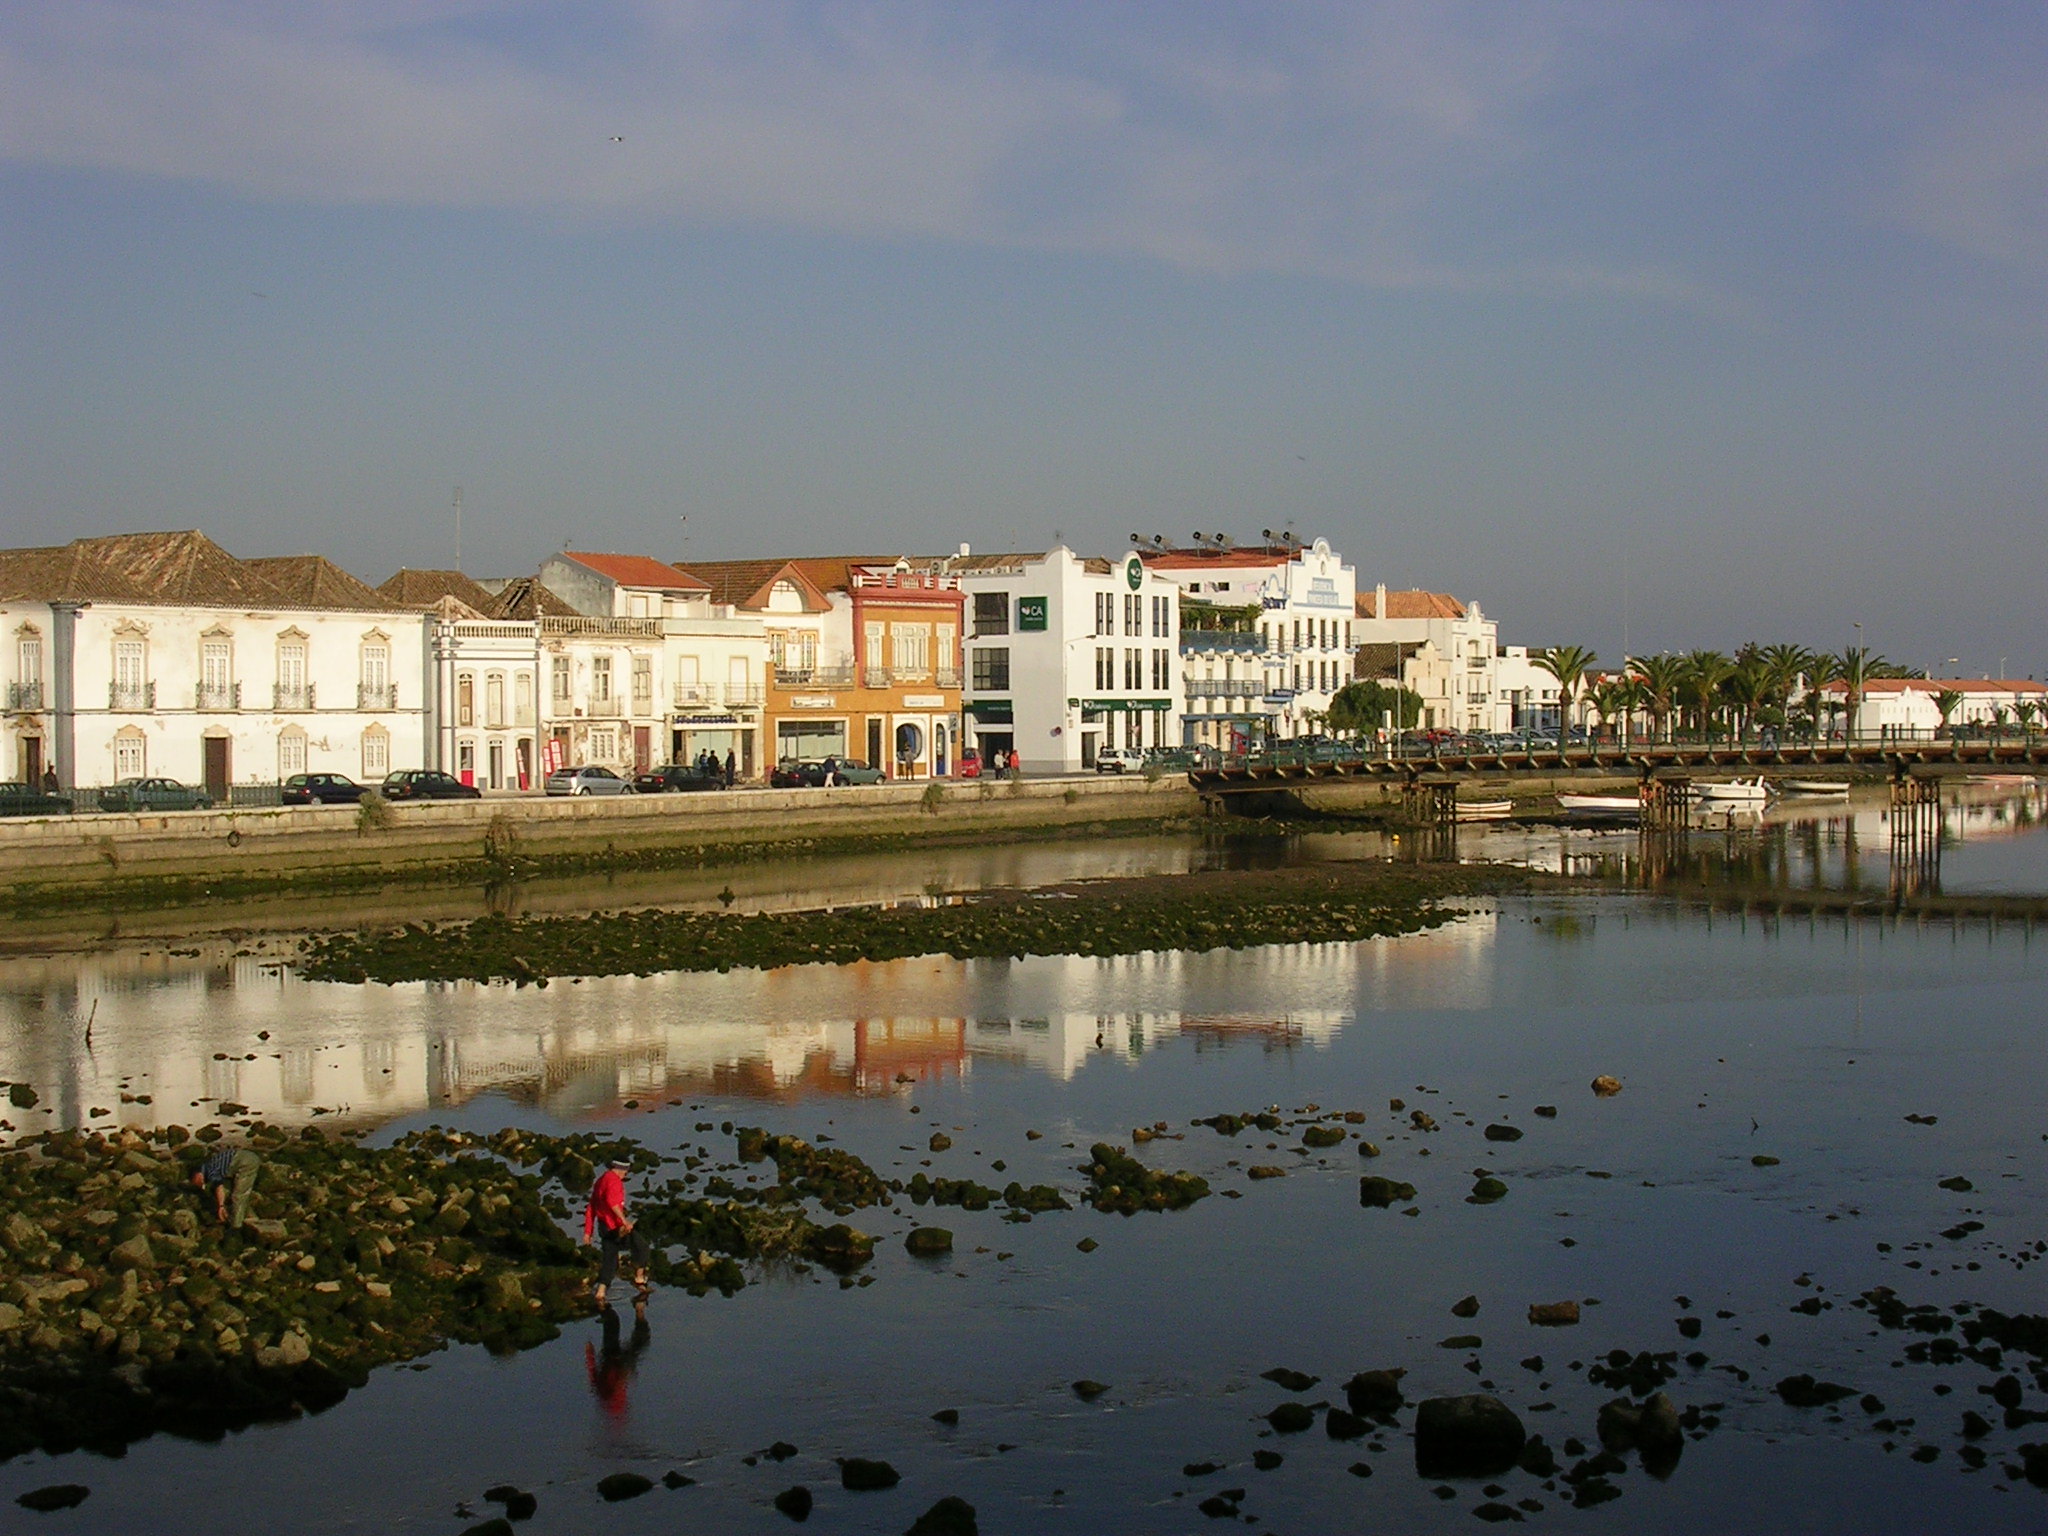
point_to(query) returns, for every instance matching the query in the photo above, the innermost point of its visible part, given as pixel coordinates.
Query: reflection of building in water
(191, 1035)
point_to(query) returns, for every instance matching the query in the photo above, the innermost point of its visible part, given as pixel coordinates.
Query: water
(1807, 1039)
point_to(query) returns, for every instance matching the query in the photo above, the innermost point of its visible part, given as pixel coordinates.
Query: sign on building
(1031, 613)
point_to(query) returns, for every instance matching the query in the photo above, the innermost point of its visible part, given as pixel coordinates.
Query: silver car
(587, 781)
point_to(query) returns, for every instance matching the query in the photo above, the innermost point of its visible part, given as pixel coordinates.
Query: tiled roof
(185, 568)
(314, 581)
(1413, 604)
(420, 590)
(637, 571)
(746, 583)
(1963, 685)
(525, 598)
(60, 574)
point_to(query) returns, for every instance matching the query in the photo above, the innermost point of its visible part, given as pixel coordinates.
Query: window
(1134, 613)
(291, 753)
(604, 744)
(128, 755)
(601, 679)
(1162, 618)
(28, 662)
(465, 699)
(291, 669)
(494, 700)
(991, 613)
(636, 605)
(643, 681)
(948, 654)
(558, 679)
(522, 699)
(910, 647)
(991, 668)
(376, 753)
(778, 644)
(1105, 668)
(129, 670)
(1134, 669)
(1105, 613)
(1161, 677)
(376, 691)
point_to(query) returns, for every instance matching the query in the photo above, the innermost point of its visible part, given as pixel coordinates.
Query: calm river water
(1805, 1040)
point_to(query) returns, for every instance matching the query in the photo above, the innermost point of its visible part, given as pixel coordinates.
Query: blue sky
(1690, 323)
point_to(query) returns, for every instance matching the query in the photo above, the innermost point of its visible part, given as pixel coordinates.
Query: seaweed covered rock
(965, 1193)
(1119, 1182)
(1470, 1436)
(1380, 1193)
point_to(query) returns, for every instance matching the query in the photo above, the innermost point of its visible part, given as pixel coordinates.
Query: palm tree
(1859, 667)
(1568, 664)
(2024, 711)
(1747, 687)
(1821, 669)
(1701, 686)
(1947, 700)
(1612, 698)
(1784, 664)
(1660, 677)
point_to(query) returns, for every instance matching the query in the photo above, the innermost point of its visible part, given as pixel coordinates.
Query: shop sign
(1031, 615)
(924, 701)
(813, 701)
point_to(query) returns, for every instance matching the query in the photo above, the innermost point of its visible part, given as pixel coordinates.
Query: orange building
(863, 659)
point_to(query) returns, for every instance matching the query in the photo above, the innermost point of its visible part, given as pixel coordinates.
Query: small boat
(1734, 792)
(1833, 789)
(2002, 780)
(1601, 807)
(1485, 810)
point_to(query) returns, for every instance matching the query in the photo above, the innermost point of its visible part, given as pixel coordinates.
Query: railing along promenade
(1282, 767)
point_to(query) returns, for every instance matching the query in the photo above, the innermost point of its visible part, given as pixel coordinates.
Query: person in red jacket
(605, 1216)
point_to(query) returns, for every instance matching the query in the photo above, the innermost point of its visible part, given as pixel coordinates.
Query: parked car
(969, 766)
(796, 773)
(1119, 760)
(675, 779)
(850, 770)
(590, 780)
(27, 800)
(140, 794)
(321, 789)
(427, 784)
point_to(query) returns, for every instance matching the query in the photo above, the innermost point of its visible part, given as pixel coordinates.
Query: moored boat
(1485, 810)
(1733, 792)
(1601, 807)
(1836, 789)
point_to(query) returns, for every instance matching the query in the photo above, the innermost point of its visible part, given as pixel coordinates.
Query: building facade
(1066, 656)
(1449, 653)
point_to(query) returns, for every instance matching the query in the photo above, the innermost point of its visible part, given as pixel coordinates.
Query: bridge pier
(1667, 801)
(1916, 834)
(1430, 802)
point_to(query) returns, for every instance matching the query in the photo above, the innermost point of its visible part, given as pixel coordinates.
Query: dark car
(676, 779)
(27, 800)
(427, 784)
(321, 789)
(795, 773)
(152, 794)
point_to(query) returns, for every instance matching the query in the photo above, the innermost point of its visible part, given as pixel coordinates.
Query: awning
(993, 711)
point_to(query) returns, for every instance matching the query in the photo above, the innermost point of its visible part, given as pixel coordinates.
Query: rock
(1763, 1160)
(1088, 1391)
(1485, 1191)
(1375, 1394)
(269, 1232)
(58, 1495)
(1470, 1436)
(1803, 1391)
(133, 1254)
(859, 1475)
(1651, 1428)
(1322, 1136)
(497, 1525)
(1460, 1341)
(947, 1416)
(1380, 1193)
(673, 1480)
(795, 1502)
(1291, 1418)
(926, 1242)
(1546, 1111)
(1368, 1149)
(1469, 1307)
(520, 1505)
(1493, 1512)
(1266, 1461)
(1421, 1121)
(1340, 1425)
(1606, 1087)
(292, 1349)
(1289, 1381)
(1502, 1133)
(23, 1235)
(940, 1141)
(21, 1096)
(1087, 1245)
(781, 1450)
(1265, 1171)
(11, 1317)
(619, 1486)
(1201, 1468)
(1553, 1314)
(1958, 1185)
(951, 1516)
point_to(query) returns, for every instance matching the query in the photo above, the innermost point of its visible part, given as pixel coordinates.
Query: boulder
(1322, 1136)
(1375, 1394)
(1502, 1133)
(270, 1232)
(1340, 1425)
(1802, 1391)
(133, 1254)
(928, 1242)
(1291, 1418)
(1606, 1087)
(56, 1496)
(1380, 1193)
(1469, 1307)
(951, 1516)
(1486, 1190)
(1288, 1380)
(1553, 1314)
(795, 1502)
(619, 1486)
(1265, 1171)
(1471, 1436)
(859, 1475)
(1088, 1391)
(940, 1141)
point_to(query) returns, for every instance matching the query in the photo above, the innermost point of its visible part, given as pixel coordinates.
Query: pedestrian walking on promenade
(605, 1218)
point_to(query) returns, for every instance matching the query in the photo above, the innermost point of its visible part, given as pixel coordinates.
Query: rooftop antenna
(458, 528)
(684, 519)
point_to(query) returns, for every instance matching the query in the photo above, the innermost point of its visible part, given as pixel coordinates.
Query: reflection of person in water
(611, 1366)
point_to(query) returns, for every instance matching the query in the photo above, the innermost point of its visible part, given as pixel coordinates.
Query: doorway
(875, 744)
(215, 749)
(643, 748)
(32, 761)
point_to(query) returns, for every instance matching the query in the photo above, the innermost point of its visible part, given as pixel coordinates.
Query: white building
(648, 670)
(1304, 596)
(1449, 653)
(1066, 656)
(480, 676)
(162, 654)
(1907, 707)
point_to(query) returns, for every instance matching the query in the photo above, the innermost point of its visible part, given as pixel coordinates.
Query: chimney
(1379, 601)
(966, 550)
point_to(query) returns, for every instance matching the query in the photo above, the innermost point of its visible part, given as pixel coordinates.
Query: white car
(1119, 760)
(587, 781)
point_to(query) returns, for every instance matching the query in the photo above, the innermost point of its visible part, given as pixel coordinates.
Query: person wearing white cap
(605, 1217)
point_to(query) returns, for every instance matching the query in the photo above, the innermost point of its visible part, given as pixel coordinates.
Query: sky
(1647, 326)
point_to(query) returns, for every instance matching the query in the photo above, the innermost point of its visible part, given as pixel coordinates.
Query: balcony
(946, 677)
(226, 696)
(613, 708)
(1224, 688)
(288, 697)
(719, 695)
(376, 695)
(609, 628)
(131, 696)
(24, 696)
(1203, 642)
(836, 676)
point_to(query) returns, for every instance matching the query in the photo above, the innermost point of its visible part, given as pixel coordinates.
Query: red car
(969, 766)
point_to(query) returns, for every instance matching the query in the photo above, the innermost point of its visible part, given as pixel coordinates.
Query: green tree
(1821, 670)
(1947, 700)
(1364, 705)
(1660, 677)
(1568, 664)
(1859, 667)
(1699, 690)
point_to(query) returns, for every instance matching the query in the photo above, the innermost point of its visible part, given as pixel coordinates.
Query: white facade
(1066, 656)
(212, 696)
(1449, 653)
(1905, 706)
(484, 711)
(1306, 596)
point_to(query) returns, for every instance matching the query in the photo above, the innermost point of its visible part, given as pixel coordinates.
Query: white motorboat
(1817, 789)
(1735, 792)
(1485, 810)
(1601, 807)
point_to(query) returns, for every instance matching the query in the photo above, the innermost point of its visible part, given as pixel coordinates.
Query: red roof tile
(637, 571)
